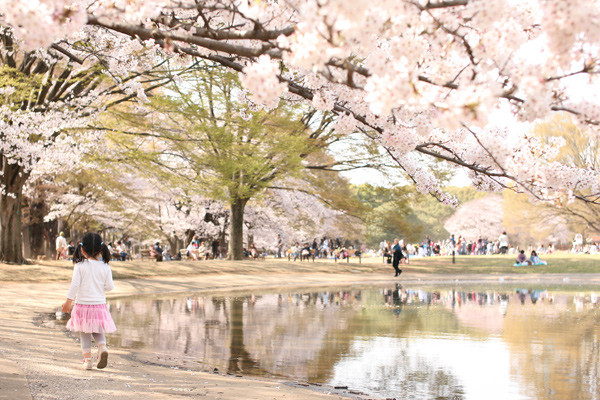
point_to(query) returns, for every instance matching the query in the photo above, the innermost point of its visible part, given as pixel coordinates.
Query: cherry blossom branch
(71, 56)
(211, 44)
(485, 148)
(440, 4)
(318, 197)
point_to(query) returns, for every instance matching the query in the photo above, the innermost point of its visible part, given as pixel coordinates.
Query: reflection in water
(391, 342)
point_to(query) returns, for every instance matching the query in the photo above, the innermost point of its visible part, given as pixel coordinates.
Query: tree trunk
(236, 230)
(35, 230)
(12, 179)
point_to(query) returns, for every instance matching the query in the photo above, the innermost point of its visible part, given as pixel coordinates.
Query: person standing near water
(503, 243)
(397, 254)
(92, 277)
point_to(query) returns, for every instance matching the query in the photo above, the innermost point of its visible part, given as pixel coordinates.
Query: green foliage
(195, 135)
(432, 214)
(385, 213)
(404, 213)
(24, 85)
(388, 222)
(373, 196)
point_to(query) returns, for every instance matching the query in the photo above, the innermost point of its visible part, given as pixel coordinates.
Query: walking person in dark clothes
(398, 255)
(215, 249)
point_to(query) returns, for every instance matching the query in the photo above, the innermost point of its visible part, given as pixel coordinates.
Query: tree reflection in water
(239, 359)
(393, 342)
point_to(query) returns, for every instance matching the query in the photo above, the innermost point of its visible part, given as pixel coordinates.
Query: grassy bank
(61, 270)
(557, 264)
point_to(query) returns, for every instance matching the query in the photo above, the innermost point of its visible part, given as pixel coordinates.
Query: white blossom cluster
(414, 73)
(260, 79)
(478, 218)
(21, 147)
(296, 216)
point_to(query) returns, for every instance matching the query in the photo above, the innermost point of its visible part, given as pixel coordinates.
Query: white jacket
(91, 279)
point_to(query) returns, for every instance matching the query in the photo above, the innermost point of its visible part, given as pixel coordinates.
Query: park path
(41, 363)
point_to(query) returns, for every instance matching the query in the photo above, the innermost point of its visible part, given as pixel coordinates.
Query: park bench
(146, 253)
(116, 256)
(301, 257)
(183, 253)
(350, 253)
(259, 256)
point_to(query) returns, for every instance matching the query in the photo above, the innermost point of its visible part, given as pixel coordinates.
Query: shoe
(87, 363)
(400, 272)
(102, 357)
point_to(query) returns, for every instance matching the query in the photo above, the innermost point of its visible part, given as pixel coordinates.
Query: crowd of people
(591, 248)
(199, 249)
(325, 248)
(338, 249)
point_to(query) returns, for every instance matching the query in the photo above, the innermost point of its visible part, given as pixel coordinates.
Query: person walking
(215, 245)
(61, 245)
(279, 246)
(397, 254)
(296, 250)
(503, 243)
(92, 278)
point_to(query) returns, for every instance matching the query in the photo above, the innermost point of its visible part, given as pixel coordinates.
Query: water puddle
(397, 342)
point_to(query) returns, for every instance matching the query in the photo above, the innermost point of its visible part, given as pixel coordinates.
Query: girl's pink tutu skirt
(91, 319)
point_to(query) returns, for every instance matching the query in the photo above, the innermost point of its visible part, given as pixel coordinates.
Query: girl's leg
(86, 344)
(99, 338)
(102, 352)
(86, 349)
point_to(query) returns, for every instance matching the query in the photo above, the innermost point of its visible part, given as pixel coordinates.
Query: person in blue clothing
(398, 255)
(534, 258)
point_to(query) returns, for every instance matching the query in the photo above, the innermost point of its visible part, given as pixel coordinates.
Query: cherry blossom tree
(48, 99)
(296, 215)
(478, 218)
(420, 77)
(125, 201)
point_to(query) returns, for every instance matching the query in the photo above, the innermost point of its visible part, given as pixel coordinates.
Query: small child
(90, 316)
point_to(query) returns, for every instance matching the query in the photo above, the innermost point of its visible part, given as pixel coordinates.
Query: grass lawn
(557, 264)
(61, 270)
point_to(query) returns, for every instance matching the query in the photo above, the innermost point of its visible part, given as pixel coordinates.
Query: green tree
(385, 213)
(198, 136)
(431, 214)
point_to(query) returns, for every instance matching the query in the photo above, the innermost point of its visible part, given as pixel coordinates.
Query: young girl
(90, 316)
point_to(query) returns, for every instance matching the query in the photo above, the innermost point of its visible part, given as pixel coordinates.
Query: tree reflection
(239, 359)
(550, 340)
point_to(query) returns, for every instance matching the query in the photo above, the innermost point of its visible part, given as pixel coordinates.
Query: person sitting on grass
(534, 258)
(521, 258)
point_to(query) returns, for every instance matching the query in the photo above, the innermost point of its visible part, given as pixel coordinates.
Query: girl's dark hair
(92, 244)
